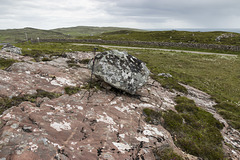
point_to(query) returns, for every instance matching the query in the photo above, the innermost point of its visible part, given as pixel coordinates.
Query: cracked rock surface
(105, 125)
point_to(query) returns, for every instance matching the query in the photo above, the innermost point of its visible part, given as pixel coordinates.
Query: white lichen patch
(60, 109)
(146, 105)
(73, 143)
(55, 83)
(8, 116)
(33, 147)
(60, 81)
(152, 131)
(122, 135)
(113, 102)
(27, 72)
(79, 107)
(105, 119)
(126, 108)
(69, 107)
(142, 139)
(61, 126)
(122, 147)
(112, 128)
(50, 113)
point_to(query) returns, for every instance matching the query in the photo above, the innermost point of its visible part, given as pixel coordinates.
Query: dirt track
(159, 49)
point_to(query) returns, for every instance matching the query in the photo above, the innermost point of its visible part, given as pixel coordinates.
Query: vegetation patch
(6, 102)
(194, 130)
(219, 76)
(152, 116)
(72, 63)
(5, 63)
(231, 112)
(166, 153)
(72, 90)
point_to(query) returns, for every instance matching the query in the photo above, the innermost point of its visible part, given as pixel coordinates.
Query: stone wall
(154, 44)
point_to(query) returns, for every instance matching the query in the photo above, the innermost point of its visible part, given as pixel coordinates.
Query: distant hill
(16, 35)
(214, 37)
(90, 31)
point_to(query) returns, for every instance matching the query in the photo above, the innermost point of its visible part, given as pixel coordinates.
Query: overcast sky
(143, 14)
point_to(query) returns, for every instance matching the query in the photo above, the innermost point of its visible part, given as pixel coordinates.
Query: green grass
(218, 76)
(196, 131)
(172, 36)
(5, 63)
(6, 102)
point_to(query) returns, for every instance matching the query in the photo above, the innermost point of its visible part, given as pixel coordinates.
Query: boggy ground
(90, 124)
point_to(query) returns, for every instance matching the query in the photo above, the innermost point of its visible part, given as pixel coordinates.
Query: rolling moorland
(219, 76)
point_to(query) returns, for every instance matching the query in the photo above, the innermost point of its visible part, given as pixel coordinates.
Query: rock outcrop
(12, 49)
(105, 125)
(120, 70)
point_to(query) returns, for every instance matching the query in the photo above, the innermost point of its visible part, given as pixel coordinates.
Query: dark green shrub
(197, 131)
(165, 153)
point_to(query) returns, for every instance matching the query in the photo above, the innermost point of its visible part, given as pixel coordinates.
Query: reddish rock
(105, 125)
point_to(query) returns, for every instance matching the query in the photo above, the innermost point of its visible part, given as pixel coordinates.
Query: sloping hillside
(16, 35)
(217, 37)
(89, 30)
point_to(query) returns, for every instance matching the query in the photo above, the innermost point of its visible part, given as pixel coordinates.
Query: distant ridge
(16, 35)
(236, 30)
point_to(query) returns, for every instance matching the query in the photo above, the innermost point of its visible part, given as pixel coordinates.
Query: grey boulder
(12, 49)
(120, 70)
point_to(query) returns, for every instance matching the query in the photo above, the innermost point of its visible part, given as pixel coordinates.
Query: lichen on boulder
(120, 70)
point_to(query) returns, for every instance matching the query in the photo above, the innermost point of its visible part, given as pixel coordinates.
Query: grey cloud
(131, 13)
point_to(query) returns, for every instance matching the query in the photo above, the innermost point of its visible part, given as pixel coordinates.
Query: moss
(5, 63)
(84, 61)
(46, 59)
(197, 131)
(165, 153)
(72, 90)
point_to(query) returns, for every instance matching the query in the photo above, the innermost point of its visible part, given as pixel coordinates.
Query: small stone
(167, 75)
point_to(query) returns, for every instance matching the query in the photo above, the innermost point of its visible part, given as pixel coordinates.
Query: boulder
(12, 49)
(120, 70)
